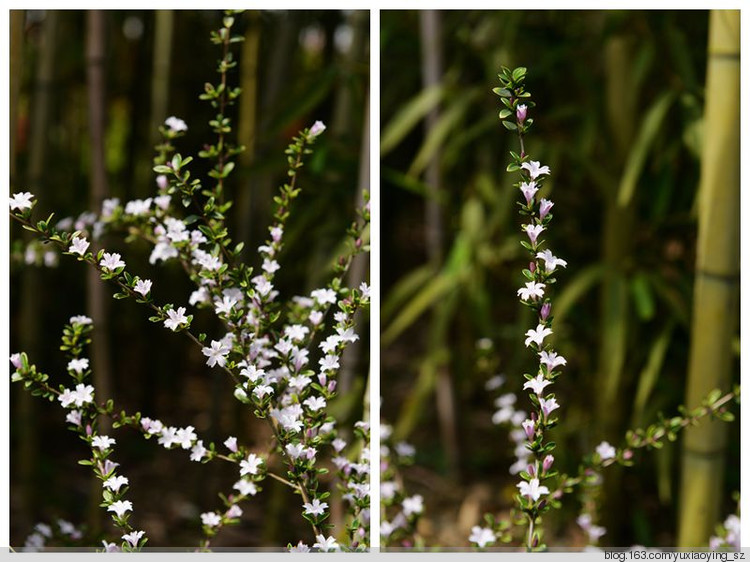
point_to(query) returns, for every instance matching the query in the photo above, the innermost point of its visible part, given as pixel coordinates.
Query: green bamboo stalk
(617, 246)
(715, 300)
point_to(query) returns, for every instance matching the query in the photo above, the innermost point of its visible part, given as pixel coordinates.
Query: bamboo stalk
(432, 75)
(247, 125)
(617, 245)
(31, 283)
(16, 75)
(96, 299)
(715, 300)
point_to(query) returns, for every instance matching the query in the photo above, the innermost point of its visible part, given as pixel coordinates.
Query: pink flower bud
(544, 207)
(332, 386)
(89, 431)
(627, 454)
(532, 266)
(322, 379)
(544, 312)
(531, 469)
(547, 463)
(521, 113)
(162, 182)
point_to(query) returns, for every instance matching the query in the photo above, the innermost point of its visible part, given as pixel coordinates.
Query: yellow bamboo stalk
(715, 301)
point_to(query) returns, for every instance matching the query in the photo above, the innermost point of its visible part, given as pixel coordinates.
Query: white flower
(325, 544)
(80, 319)
(296, 332)
(532, 489)
(168, 437)
(176, 319)
(231, 444)
(347, 335)
(250, 465)
(317, 128)
(365, 289)
(217, 354)
(225, 305)
(111, 261)
(133, 538)
(138, 207)
(537, 384)
(262, 390)
(21, 201)
(78, 246)
(324, 296)
(185, 437)
(245, 487)
(481, 536)
(233, 512)
(83, 394)
(550, 261)
(175, 124)
(270, 266)
(548, 406)
(211, 519)
(102, 442)
(533, 231)
(531, 291)
(551, 359)
(606, 451)
(142, 286)
(534, 169)
(74, 417)
(315, 403)
(78, 365)
(529, 190)
(413, 504)
(301, 547)
(537, 335)
(120, 507)
(329, 363)
(198, 451)
(315, 508)
(114, 483)
(294, 450)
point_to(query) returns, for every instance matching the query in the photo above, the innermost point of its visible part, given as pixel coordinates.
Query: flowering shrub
(281, 354)
(541, 487)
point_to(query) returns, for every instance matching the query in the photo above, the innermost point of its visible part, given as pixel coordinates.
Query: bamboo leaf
(650, 373)
(403, 291)
(640, 150)
(446, 125)
(433, 291)
(408, 117)
(576, 288)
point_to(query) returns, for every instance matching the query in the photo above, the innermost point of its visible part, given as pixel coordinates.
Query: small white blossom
(142, 286)
(537, 335)
(481, 536)
(114, 483)
(211, 519)
(176, 318)
(245, 487)
(315, 508)
(78, 365)
(532, 489)
(606, 451)
(78, 245)
(175, 124)
(534, 169)
(531, 291)
(250, 465)
(317, 128)
(102, 442)
(550, 261)
(120, 507)
(21, 201)
(537, 384)
(111, 261)
(133, 538)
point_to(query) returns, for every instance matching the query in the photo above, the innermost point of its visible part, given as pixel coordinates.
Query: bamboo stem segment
(715, 301)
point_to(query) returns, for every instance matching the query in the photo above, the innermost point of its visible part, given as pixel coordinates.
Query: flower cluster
(400, 512)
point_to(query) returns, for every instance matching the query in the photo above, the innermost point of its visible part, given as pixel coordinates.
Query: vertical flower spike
(543, 265)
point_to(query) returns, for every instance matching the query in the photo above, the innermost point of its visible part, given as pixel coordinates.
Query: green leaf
(650, 373)
(640, 150)
(504, 113)
(510, 125)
